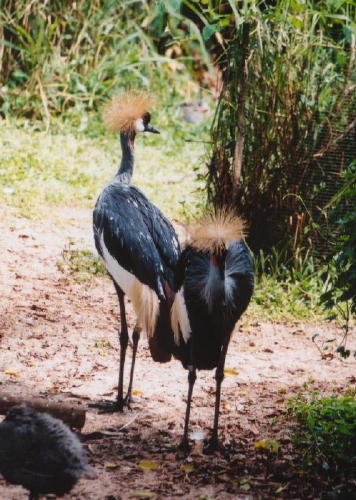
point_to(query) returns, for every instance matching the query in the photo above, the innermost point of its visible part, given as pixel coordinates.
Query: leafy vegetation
(60, 62)
(327, 432)
(64, 59)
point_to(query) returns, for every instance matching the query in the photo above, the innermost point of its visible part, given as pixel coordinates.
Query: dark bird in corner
(137, 244)
(41, 453)
(217, 281)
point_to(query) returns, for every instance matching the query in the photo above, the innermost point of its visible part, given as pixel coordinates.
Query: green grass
(280, 300)
(40, 169)
(81, 265)
(288, 288)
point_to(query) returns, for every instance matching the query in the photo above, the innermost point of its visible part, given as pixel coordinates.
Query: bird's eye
(146, 118)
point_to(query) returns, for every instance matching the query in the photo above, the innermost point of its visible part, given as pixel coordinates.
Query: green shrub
(340, 296)
(327, 431)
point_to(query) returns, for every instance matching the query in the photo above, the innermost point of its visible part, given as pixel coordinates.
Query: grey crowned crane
(137, 244)
(40, 452)
(217, 285)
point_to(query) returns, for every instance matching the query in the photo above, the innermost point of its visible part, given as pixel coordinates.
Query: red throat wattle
(214, 260)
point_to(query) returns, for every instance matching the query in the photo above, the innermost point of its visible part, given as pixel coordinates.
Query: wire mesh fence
(334, 151)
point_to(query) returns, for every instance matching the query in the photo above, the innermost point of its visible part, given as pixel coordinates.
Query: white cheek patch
(139, 126)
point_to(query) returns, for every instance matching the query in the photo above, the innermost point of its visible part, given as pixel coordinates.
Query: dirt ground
(58, 339)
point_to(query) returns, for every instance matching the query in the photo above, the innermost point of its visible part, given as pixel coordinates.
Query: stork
(217, 282)
(137, 244)
(40, 452)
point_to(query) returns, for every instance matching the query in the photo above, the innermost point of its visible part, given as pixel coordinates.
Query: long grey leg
(135, 339)
(110, 406)
(192, 376)
(219, 377)
(123, 339)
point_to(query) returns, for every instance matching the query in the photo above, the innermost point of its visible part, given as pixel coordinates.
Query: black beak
(150, 128)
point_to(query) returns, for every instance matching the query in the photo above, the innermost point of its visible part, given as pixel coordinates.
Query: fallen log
(73, 416)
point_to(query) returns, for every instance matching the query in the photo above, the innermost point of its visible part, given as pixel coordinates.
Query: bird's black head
(143, 124)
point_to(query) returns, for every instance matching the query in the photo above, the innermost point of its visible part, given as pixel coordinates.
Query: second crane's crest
(124, 109)
(215, 231)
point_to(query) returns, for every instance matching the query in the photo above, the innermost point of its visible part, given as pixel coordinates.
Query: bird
(215, 287)
(194, 112)
(137, 244)
(40, 452)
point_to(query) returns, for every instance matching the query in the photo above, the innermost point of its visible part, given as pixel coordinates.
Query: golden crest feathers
(124, 109)
(215, 231)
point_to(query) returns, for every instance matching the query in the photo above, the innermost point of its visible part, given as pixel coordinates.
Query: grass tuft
(82, 265)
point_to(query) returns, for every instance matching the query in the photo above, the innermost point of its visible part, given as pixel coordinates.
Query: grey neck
(124, 173)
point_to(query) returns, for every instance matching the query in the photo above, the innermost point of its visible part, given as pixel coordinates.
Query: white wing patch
(138, 125)
(144, 300)
(179, 318)
(123, 278)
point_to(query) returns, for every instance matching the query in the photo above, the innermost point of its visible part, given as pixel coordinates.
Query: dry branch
(73, 416)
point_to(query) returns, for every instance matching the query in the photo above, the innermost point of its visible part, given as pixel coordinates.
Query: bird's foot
(212, 445)
(184, 446)
(128, 400)
(108, 406)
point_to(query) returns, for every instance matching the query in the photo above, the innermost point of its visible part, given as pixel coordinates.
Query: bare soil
(58, 339)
